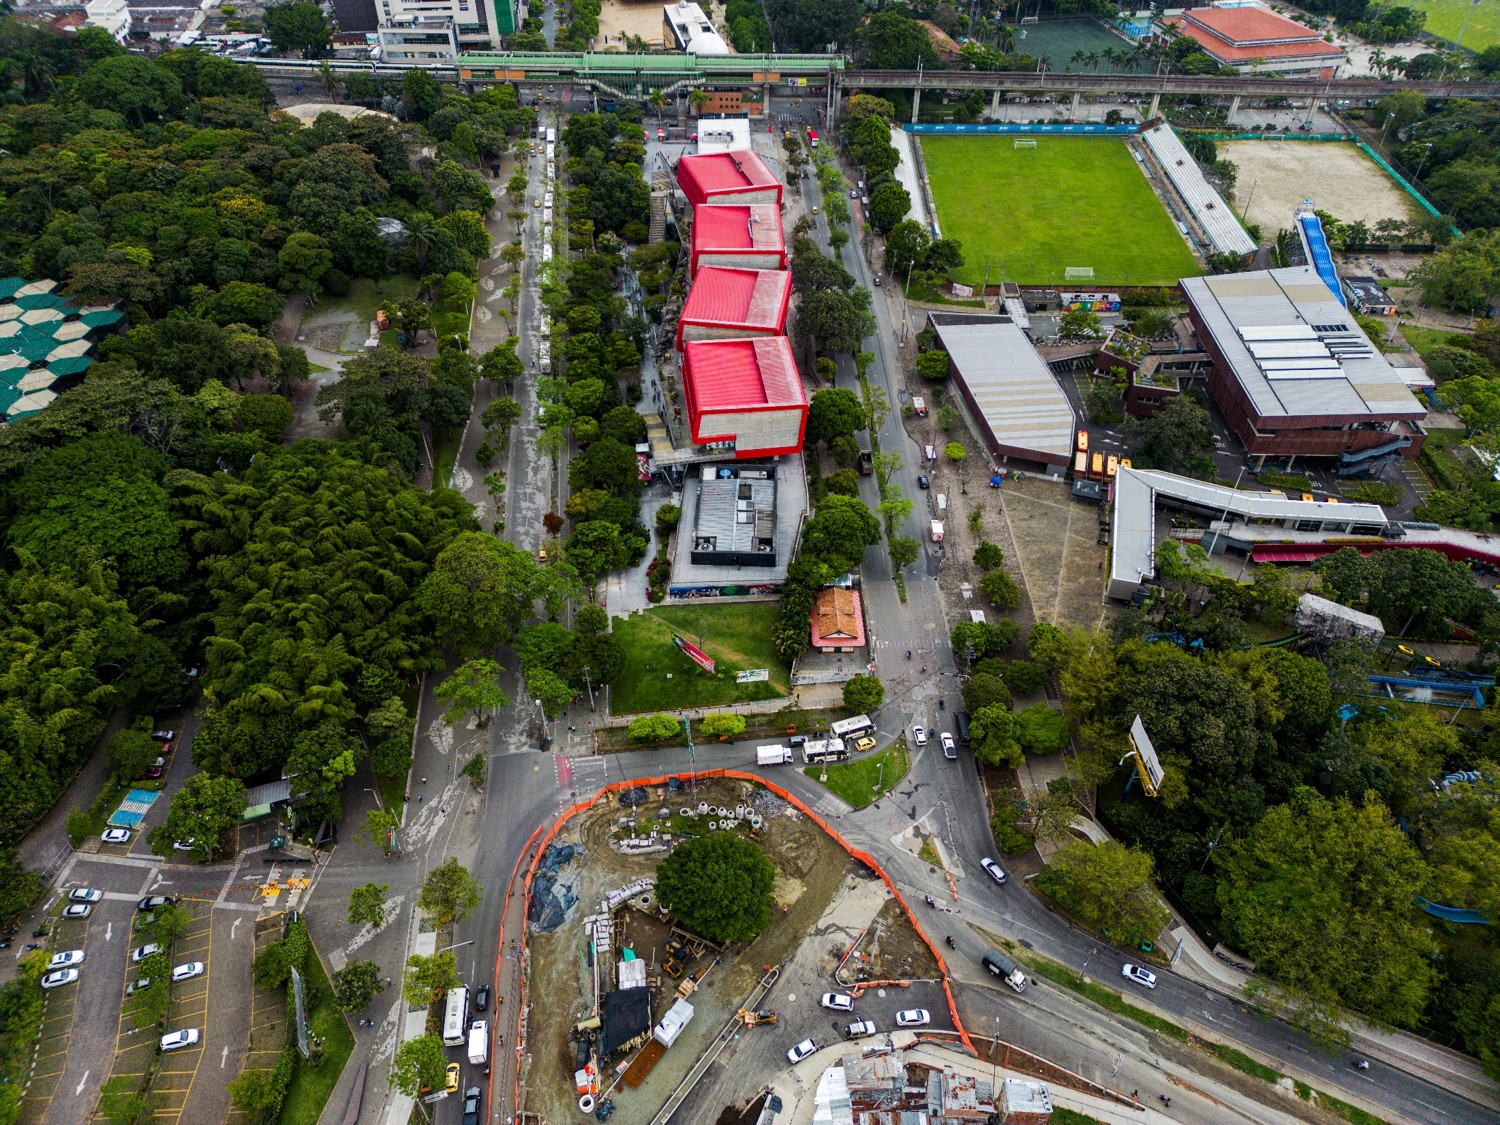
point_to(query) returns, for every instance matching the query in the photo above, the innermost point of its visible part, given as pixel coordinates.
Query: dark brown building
(1293, 374)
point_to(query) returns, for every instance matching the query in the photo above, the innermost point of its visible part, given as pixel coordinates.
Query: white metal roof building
(1009, 389)
(1213, 214)
(1293, 373)
(1133, 530)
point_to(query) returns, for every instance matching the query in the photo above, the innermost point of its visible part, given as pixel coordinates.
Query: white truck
(772, 755)
(479, 1043)
(937, 531)
(1002, 966)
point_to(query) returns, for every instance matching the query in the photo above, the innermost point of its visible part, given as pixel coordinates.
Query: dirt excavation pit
(1275, 176)
(1054, 553)
(560, 966)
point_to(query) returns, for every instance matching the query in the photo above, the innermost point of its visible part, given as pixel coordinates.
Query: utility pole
(687, 729)
(587, 679)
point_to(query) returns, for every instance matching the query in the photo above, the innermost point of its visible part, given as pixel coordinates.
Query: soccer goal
(1024, 144)
(1078, 273)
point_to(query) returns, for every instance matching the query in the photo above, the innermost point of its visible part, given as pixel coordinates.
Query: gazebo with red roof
(723, 177)
(744, 235)
(735, 304)
(745, 395)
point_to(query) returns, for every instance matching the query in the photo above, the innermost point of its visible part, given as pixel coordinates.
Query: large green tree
(1321, 894)
(1108, 887)
(718, 886)
(481, 590)
(203, 811)
(450, 893)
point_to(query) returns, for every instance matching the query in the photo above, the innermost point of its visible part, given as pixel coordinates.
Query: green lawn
(445, 445)
(1071, 201)
(1425, 339)
(657, 677)
(861, 782)
(1446, 18)
(311, 1085)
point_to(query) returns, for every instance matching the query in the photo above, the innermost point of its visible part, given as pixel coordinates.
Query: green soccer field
(1033, 213)
(1446, 18)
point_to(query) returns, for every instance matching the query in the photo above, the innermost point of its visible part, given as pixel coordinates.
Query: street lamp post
(378, 803)
(546, 733)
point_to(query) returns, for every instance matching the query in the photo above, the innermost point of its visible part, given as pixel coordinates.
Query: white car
(150, 949)
(66, 960)
(997, 872)
(838, 1001)
(184, 1038)
(138, 986)
(801, 1051)
(1138, 975)
(59, 977)
(184, 845)
(950, 751)
(115, 836)
(919, 736)
(187, 972)
(163, 734)
(85, 894)
(77, 910)
(913, 1017)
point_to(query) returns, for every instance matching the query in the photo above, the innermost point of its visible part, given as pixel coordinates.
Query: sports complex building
(1255, 39)
(1012, 395)
(727, 177)
(745, 235)
(1294, 376)
(735, 304)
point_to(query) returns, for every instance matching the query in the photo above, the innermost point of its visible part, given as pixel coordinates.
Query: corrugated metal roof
(1207, 205)
(747, 226)
(732, 374)
(1368, 387)
(715, 175)
(735, 298)
(1013, 387)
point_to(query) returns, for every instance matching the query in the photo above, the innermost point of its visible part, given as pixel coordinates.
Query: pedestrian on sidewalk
(424, 781)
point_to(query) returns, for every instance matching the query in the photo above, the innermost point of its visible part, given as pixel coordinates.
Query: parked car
(138, 985)
(175, 1039)
(78, 910)
(156, 769)
(482, 998)
(1139, 975)
(997, 872)
(450, 1078)
(922, 481)
(65, 960)
(919, 736)
(913, 1017)
(165, 734)
(85, 894)
(801, 1051)
(187, 971)
(950, 751)
(59, 977)
(185, 845)
(472, 1099)
(151, 902)
(141, 952)
(115, 836)
(838, 1001)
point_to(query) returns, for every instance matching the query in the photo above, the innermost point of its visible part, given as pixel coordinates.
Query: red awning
(1286, 554)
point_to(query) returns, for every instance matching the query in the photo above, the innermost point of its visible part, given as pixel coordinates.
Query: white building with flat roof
(686, 27)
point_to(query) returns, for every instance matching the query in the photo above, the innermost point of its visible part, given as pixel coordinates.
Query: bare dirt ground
(1056, 555)
(809, 866)
(1277, 175)
(617, 19)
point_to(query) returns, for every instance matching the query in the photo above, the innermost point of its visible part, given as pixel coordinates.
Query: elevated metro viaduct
(636, 77)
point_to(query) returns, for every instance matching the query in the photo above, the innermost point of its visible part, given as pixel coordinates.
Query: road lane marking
(82, 1082)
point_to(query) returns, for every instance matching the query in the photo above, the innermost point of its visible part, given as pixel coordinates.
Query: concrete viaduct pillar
(995, 104)
(1155, 105)
(1073, 113)
(916, 105)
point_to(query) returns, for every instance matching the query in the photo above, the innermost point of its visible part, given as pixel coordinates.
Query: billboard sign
(752, 676)
(696, 654)
(1148, 765)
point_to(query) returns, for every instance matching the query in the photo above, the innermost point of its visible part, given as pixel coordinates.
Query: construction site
(629, 1012)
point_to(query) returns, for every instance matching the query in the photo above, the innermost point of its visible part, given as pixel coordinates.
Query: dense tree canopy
(718, 886)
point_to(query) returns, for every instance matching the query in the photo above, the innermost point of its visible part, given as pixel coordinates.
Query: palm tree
(1092, 60)
(1078, 56)
(421, 230)
(330, 81)
(659, 100)
(700, 98)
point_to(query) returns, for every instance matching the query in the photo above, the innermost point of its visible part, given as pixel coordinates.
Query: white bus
(456, 1017)
(849, 728)
(829, 750)
(551, 136)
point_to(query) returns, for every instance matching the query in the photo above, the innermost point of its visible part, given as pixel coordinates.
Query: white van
(930, 453)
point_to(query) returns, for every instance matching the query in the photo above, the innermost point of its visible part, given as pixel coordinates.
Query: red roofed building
(748, 236)
(727, 177)
(745, 395)
(1257, 39)
(730, 304)
(838, 622)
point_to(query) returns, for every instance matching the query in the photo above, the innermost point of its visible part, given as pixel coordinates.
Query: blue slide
(1316, 244)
